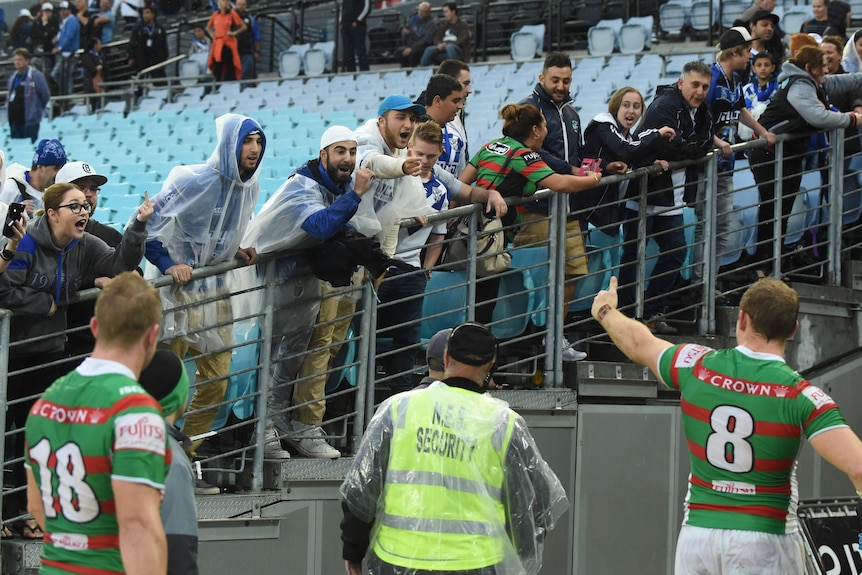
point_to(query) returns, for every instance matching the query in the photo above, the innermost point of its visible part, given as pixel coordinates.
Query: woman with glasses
(44, 274)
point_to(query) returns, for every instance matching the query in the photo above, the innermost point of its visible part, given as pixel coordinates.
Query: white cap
(75, 170)
(47, 6)
(64, 4)
(336, 134)
(24, 12)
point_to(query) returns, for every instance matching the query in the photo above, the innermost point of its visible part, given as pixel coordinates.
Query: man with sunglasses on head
(449, 476)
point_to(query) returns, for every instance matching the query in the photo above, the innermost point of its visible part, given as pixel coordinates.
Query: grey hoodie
(42, 273)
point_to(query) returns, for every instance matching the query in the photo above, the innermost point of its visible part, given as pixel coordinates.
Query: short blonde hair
(126, 309)
(772, 306)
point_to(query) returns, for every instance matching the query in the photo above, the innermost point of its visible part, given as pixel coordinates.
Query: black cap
(472, 343)
(762, 14)
(734, 37)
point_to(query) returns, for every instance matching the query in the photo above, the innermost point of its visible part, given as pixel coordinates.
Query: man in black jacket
(561, 150)
(148, 44)
(353, 33)
(679, 106)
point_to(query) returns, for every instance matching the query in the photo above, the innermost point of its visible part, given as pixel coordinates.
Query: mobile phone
(12, 216)
(589, 165)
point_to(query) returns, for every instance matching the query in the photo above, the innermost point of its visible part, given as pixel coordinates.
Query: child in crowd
(199, 50)
(759, 91)
(764, 83)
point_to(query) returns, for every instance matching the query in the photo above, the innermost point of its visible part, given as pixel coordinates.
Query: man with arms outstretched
(745, 413)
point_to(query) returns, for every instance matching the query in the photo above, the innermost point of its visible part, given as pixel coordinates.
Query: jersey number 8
(727, 446)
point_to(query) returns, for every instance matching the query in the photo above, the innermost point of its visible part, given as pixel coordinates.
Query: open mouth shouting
(81, 223)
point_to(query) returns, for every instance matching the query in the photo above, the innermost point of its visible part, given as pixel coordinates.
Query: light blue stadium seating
(515, 300)
(443, 305)
(535, 262)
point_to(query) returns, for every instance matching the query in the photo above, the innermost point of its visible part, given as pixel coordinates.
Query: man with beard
(765, 37)
(199, 219)
(320, 200)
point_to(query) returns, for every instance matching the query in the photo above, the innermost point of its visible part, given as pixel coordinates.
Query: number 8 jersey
(94, 425)
(744, 414)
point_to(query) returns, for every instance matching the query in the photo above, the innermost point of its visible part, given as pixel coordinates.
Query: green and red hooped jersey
(744, 415)
(83, 433)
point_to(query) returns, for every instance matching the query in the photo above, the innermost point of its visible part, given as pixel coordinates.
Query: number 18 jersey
(94, 425)
(744, 415)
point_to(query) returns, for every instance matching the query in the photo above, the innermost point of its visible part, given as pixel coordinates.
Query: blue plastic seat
(444, 302)
(514, 304)
(345, 370)
(535, 262)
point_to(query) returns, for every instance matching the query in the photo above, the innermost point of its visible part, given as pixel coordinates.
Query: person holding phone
(513, 166)
(14, 230)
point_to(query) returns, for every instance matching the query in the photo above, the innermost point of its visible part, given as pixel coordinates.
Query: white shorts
(702, 551)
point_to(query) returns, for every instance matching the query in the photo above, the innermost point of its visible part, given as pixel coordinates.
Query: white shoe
(272, 448)
(309, 441)
(570, 353)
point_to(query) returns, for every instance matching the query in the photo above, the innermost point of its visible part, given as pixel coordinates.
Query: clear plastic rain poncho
(200, 217)
(452, 477)
(278, 228)
(851, 62)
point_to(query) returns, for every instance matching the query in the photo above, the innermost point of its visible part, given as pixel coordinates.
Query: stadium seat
(328, 49)
(633, 38)
(289, 64)
(601, 40)
(523, 46)
(731, 10)
(671, 18)
(443, 304)
(853, 191)
(700, 15)
(315, 62)
(514, 304)
(189, 72)
(535, 262)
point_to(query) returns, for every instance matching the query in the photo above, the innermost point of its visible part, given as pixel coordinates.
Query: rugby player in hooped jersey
(97, 447)
(744, 414)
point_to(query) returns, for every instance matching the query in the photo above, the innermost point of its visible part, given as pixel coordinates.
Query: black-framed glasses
(76, 207)
(94, 189)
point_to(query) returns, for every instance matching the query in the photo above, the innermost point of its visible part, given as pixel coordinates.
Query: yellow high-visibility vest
(442, 499)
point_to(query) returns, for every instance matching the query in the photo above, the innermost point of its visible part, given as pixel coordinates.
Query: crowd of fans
(412, 160)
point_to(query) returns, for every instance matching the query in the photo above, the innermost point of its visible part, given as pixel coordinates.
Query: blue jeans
(404, 311)
(670, 236)
(452, 52)
(249, 71)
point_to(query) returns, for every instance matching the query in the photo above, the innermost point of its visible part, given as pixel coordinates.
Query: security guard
(448, 479)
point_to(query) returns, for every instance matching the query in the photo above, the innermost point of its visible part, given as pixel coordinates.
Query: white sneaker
(309, 441)
(272, 448)
(570, 353)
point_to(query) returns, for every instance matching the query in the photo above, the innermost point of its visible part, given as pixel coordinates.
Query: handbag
(491, 257)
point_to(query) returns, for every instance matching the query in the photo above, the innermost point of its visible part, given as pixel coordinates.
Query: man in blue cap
(26, 186)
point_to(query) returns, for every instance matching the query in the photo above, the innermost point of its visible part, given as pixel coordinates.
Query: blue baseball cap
(399, 102)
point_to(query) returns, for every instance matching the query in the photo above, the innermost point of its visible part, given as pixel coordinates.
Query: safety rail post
(5, 321)
(264, 373)
(368, 370)
(471, 264)
(640, 260)
(777, 211)
(556, 279)
(710, 272)
(836, 205)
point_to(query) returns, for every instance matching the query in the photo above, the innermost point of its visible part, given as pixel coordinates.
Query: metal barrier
(274, 304)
